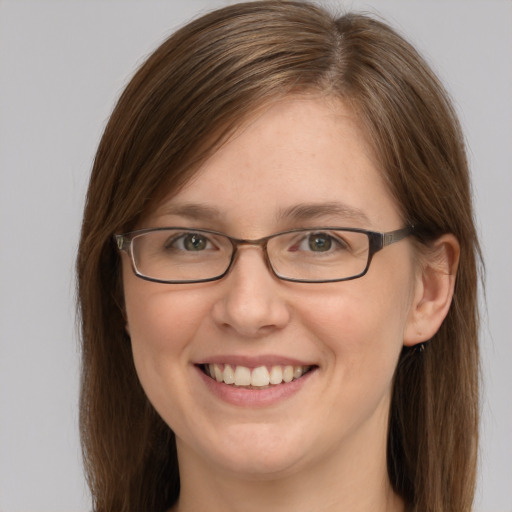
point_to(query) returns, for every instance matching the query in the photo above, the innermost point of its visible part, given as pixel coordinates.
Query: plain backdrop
(62, 66)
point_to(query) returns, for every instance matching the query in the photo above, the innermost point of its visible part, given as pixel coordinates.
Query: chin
(255, 451)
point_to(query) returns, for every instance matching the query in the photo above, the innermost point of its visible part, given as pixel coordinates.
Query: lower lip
(254, 397)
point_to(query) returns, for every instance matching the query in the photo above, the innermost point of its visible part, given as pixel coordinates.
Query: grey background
(62, 66)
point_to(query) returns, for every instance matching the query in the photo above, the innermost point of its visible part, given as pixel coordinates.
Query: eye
(320, 242)
(194, 242)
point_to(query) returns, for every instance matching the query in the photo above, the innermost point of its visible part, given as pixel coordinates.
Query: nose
(251, 301)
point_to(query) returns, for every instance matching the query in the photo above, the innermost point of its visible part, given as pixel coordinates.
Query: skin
(324, 447)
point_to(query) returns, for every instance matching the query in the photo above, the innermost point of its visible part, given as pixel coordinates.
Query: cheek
(159, 316)
(161, 322)
(360, 324)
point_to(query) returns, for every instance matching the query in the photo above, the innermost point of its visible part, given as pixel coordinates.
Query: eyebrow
(192, 211)
(310, 211)
(296, 213)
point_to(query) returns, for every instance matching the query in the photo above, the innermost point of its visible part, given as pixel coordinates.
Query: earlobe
(433, 291)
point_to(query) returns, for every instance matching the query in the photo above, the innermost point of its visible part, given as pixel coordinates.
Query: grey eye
(319, 242)
(194, 242)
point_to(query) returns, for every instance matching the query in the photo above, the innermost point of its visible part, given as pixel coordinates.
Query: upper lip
(253, 361)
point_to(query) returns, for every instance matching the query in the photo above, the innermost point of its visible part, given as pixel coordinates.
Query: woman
(277, 275)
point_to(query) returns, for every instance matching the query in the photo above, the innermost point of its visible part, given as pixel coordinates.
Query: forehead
(301, 156)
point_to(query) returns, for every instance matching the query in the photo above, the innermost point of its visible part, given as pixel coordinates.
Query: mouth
(261, 377)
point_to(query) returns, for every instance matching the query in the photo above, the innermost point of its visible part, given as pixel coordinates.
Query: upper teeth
(259, 377)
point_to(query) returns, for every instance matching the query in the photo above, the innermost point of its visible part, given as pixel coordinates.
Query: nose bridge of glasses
(246, 244)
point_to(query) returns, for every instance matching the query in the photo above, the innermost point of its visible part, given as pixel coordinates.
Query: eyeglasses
(307, 255)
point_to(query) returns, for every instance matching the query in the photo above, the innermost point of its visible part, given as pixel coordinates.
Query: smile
(261, 377)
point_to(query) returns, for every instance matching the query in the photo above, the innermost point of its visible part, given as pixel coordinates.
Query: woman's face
(303, 162)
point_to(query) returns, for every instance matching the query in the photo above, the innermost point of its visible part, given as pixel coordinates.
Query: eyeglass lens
(309, 255)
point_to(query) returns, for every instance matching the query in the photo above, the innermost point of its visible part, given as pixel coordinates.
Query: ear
(435, 283)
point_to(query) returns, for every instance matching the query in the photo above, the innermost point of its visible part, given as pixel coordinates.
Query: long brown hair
(191, 93)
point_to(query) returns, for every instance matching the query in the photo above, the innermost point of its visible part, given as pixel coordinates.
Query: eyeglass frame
(377, 241)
